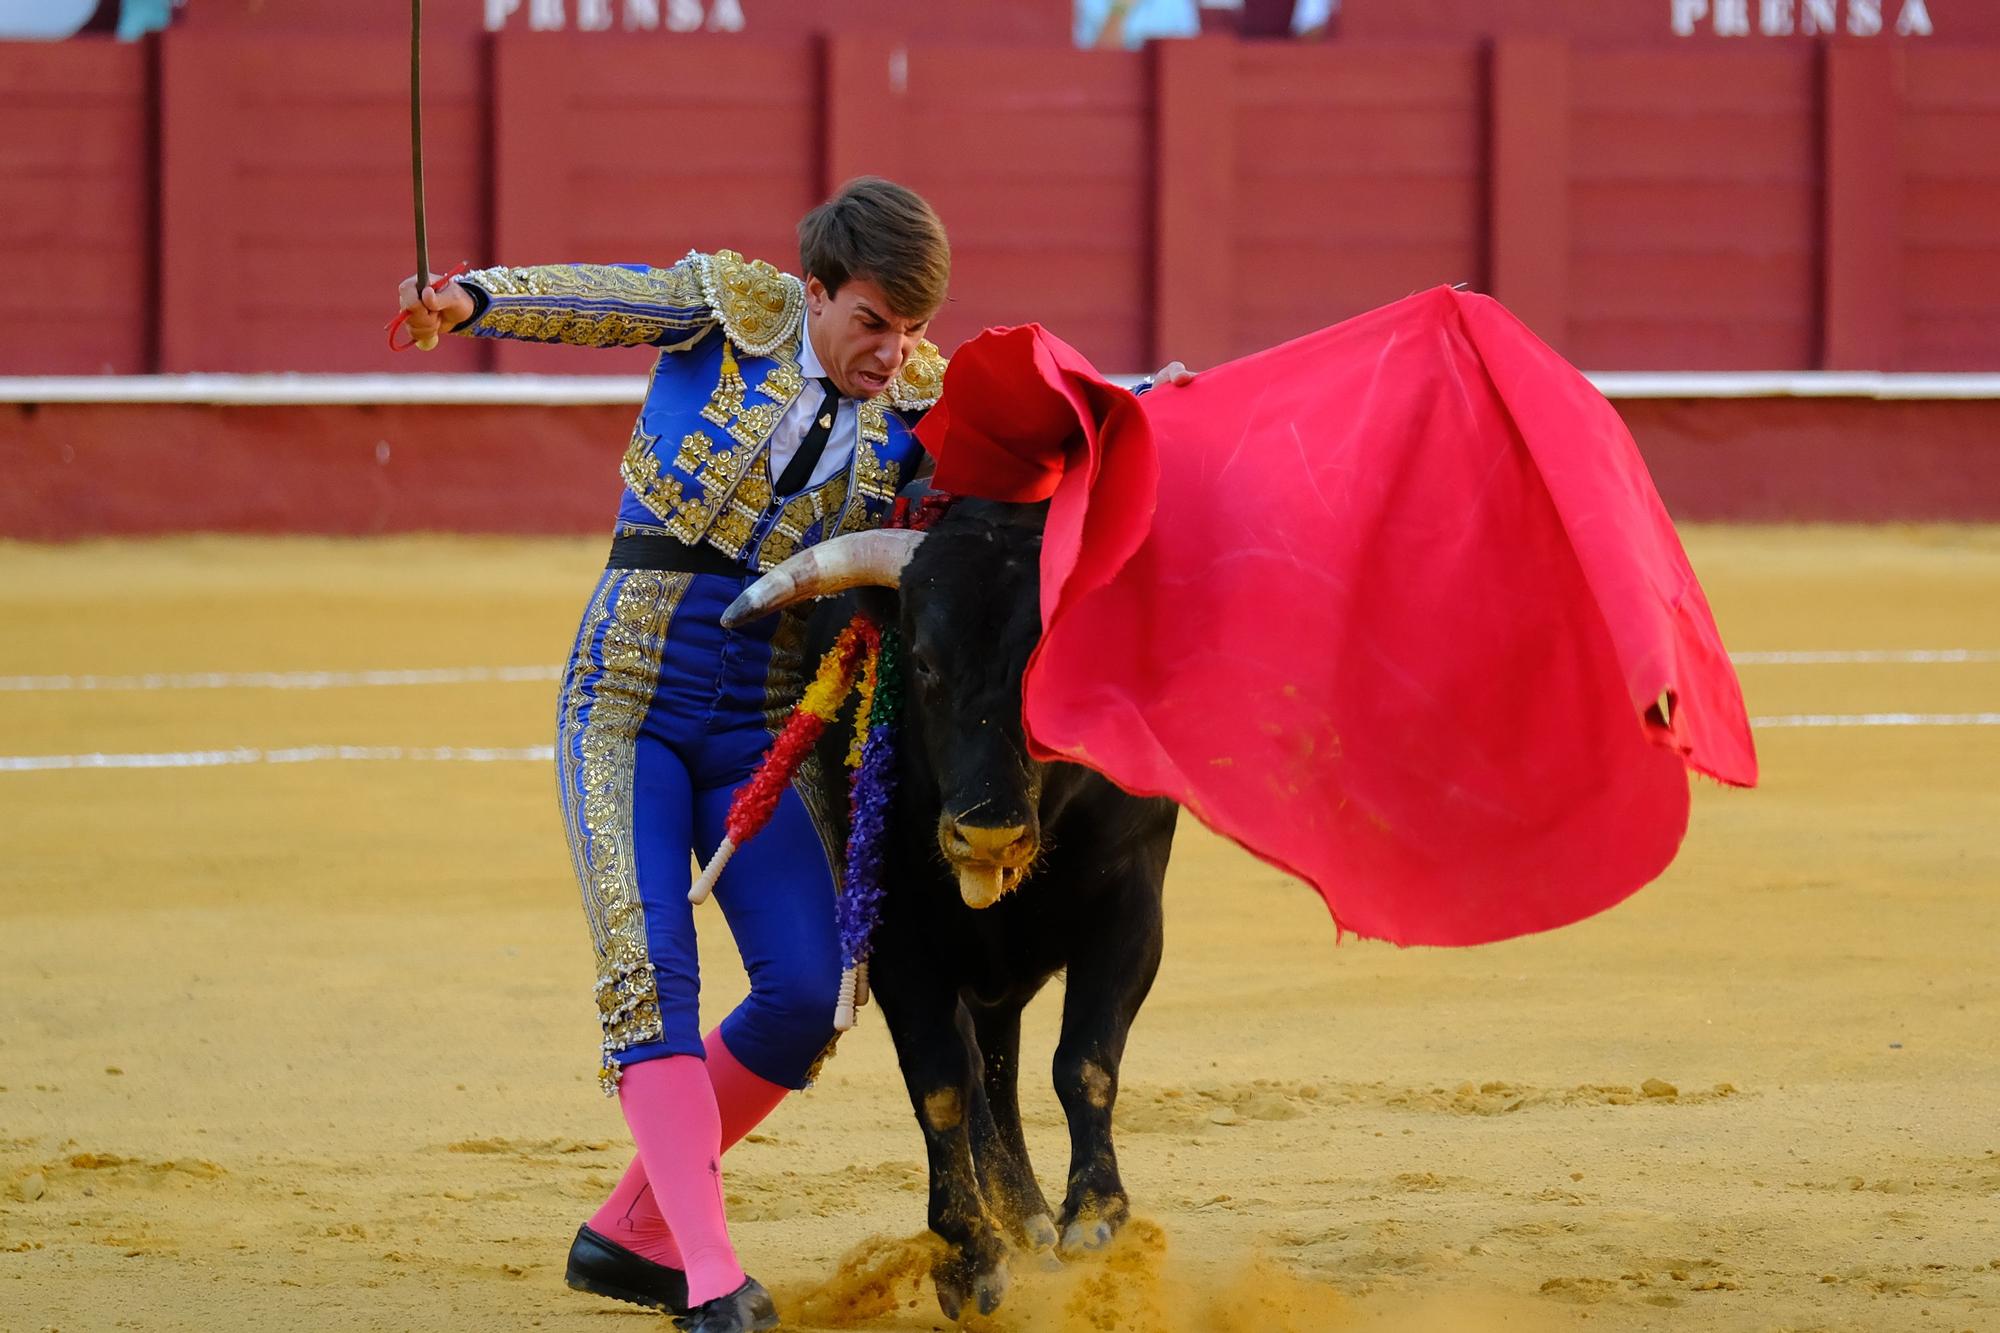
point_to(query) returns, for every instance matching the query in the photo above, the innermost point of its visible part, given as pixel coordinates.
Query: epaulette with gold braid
(759, 307)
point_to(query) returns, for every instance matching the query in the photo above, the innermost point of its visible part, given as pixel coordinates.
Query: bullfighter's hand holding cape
(1394, 605)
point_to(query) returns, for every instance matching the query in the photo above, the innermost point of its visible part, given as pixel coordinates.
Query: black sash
(652, 550)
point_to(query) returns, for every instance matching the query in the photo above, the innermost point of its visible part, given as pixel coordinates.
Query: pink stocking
(669, 1106)
(630, 1216)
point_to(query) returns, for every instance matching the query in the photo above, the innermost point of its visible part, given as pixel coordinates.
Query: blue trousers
(663, 715)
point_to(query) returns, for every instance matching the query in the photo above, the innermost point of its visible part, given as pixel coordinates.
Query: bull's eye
(926, 673)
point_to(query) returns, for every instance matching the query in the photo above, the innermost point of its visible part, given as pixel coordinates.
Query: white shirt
(790, 432)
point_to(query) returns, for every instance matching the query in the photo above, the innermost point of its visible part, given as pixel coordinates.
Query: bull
(1002, 871)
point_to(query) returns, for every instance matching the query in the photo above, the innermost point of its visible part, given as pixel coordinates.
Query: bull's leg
(1108, 982)
(998, 1147)
(937, 1070)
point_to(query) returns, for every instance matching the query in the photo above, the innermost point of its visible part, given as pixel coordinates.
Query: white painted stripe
(541, 754)
(1918, 655)
(1801, 384)
(305, 754)
(628, 390)
(284, 680)
(1879, 720)
(475, 675)
(331, 390)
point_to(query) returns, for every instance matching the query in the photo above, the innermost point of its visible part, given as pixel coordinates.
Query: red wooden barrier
(1531, 167)
(108, 470)
(625, 150)
(1864, 210)
(1359, 179)
(1039, 161)
(76, 173)
(1758, 206)
(1950, 151)
(1694, 185)
(285, 214)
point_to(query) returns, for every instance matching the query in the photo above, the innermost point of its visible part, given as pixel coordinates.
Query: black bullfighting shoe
(606, 1268)
(744, 1310)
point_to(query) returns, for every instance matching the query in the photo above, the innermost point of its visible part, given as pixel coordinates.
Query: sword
(417, 150)
(417, 181)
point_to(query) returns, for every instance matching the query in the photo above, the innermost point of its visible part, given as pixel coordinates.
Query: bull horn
(852, 560)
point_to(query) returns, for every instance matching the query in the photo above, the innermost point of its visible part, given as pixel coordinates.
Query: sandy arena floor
(309, 1045)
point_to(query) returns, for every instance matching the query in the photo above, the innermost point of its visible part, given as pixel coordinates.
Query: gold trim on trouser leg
(634, 609)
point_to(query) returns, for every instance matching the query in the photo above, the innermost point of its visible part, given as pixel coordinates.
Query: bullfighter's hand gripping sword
(417, 149)
(417, 180)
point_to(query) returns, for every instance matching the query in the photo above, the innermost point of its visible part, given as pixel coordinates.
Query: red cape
(1392, 605)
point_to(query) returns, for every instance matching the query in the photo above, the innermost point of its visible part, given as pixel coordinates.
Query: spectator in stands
(1121, 24)
(1116, 24)
(1314, 20)
(136, 18)
(46, 20)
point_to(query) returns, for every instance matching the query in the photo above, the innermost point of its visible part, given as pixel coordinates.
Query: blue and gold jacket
(729, 333)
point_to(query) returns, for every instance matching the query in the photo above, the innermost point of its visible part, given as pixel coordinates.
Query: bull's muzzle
(991, 860)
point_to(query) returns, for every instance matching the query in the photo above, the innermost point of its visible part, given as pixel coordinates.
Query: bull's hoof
(1090, 1228)
(955, 1289)
(1041, 1232)
(1086, 1236)
(989, 1289)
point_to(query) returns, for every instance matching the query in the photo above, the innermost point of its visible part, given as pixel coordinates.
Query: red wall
(1358, 179)
(1037, 21)
(1041, 165)
(284, 214)
(76, 174)
(223, 201)
(1694, 209)
(107, 470)
(604, 152)
(1635, 23)
(1949, 209)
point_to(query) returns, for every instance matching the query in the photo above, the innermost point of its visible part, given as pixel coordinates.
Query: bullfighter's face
(860, 340)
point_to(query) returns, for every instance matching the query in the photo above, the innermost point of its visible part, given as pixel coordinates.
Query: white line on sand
(304, 754)
(481, 754)
(475, 675)
(1878, 720)
(284, 680)
(1899, 655)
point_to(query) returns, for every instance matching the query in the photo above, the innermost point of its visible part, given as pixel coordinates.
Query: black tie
(799, 471)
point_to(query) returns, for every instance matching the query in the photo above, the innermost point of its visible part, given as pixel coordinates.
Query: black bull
(1001, 872)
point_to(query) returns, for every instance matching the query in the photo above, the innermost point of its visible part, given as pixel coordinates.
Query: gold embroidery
(592, 305)
(819, 1063)
(736, 524)
(756, 422)
(872, 423)
(595, 759)
(693, 453)
(759, 307)
(730, 532)
(641, 471)
(800, 513)
(783, 382)
(873, 477)
(727, 400)
(728, 487)
(921, 380)
(691, 518)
